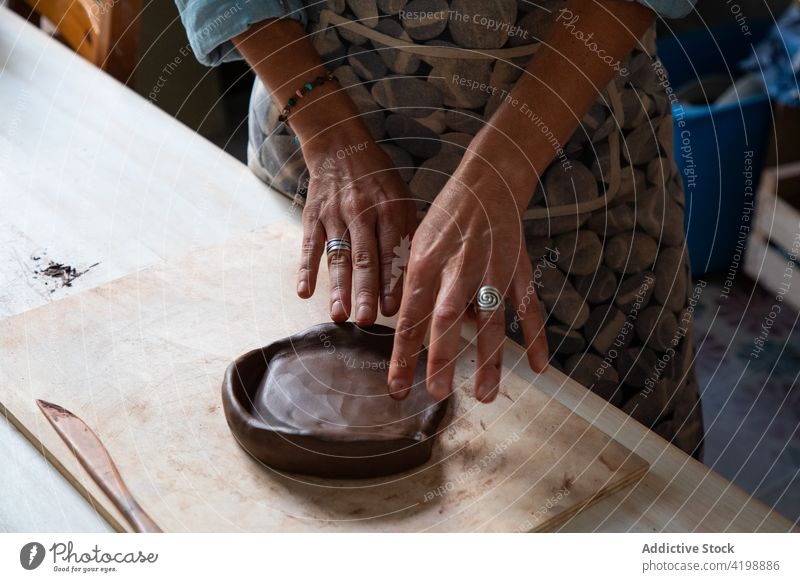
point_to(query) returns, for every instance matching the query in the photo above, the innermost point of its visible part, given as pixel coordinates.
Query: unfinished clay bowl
(317, 403)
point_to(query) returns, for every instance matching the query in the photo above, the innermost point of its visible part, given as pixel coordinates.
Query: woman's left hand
(471, 237)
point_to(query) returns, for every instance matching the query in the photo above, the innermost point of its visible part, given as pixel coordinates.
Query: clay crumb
(58, 275)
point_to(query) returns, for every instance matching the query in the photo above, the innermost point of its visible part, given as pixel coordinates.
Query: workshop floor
(751, 405)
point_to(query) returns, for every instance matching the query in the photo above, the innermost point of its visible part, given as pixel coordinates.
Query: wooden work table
(92, 174)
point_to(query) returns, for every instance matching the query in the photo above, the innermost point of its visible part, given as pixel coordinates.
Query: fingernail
(302, 288)
(439, 388)
(337, 310)
(389, 304)
(541, 360)
(397, 388)
(364, 313)
(486, 392)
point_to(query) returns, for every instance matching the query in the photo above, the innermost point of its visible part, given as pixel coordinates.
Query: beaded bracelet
(301, 92)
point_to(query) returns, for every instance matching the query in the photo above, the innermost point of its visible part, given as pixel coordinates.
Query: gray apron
(604, 228)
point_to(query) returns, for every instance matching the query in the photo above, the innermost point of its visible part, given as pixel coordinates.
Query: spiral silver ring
(489, 299)
(336, 245)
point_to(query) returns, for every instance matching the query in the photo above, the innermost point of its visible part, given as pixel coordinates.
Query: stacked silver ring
(336, 245)
(489, 299)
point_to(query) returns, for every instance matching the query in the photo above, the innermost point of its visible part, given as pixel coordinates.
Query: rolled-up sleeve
(669, 8)
(211, 24)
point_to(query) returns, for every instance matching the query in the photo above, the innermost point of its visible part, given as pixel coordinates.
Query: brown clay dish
(317, 403)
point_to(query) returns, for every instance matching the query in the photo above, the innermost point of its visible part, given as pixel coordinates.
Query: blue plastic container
(718, 141)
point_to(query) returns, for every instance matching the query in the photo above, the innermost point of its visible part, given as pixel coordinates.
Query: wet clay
(317, 403)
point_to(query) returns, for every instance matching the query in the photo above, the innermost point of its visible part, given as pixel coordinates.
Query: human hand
(355, 193)
(470, 238)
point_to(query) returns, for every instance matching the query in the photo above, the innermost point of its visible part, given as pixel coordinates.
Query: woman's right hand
(354, 192)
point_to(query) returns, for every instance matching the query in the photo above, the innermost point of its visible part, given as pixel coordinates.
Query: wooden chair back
(105, 32)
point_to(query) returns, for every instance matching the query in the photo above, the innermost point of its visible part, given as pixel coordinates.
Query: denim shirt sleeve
(670, 8)
(211, 24)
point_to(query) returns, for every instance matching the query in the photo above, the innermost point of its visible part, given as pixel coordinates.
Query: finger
(312, 248)
(451, 306)
(366, 273)
(340, 273)
(491, 337)
(394, 252)
(412, 322)
(412, 220)
(529, 317)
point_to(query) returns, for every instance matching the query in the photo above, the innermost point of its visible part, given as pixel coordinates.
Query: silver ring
(489, 299)
(335, 245)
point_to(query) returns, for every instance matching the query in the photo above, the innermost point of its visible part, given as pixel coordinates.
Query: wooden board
(141, 359)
